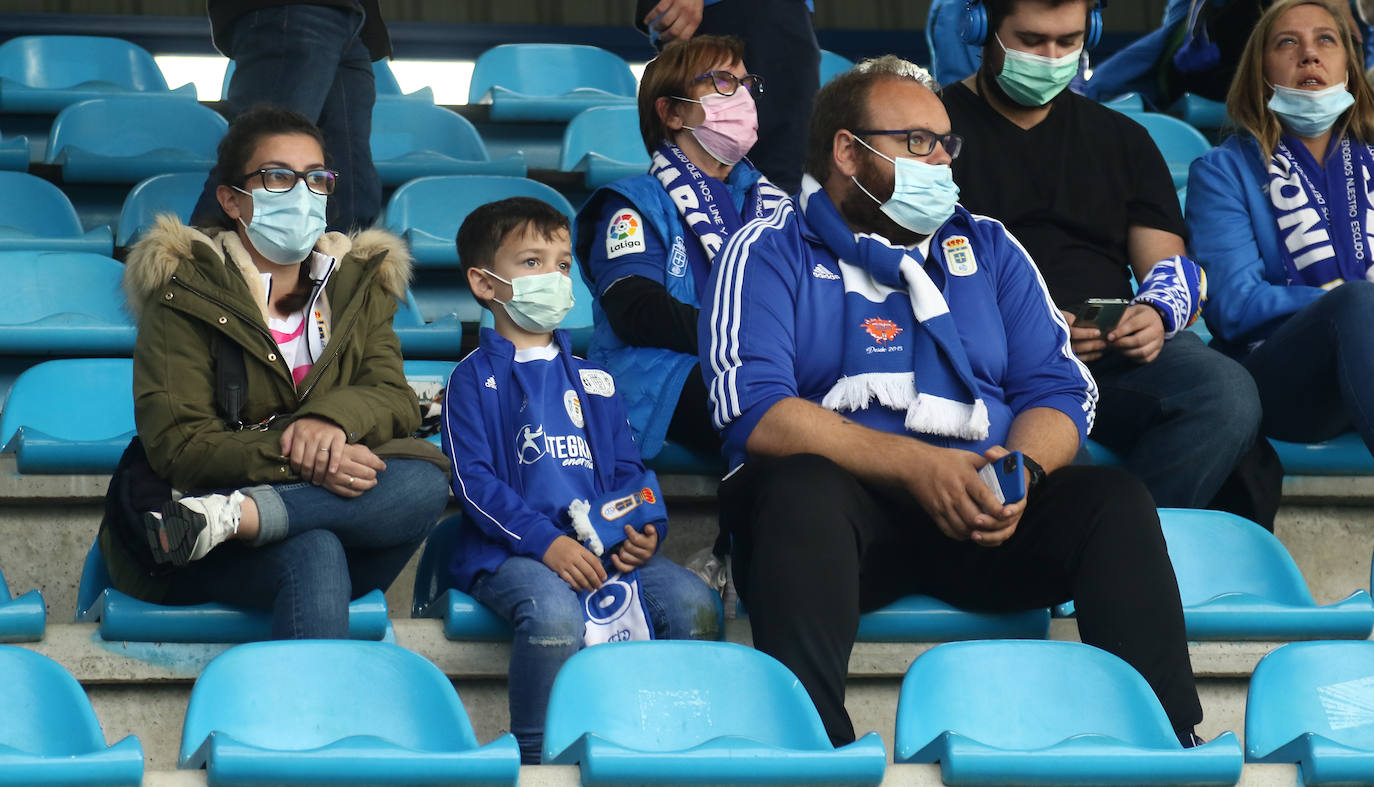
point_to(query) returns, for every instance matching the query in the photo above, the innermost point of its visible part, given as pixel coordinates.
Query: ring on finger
(324, 449)
(351, 479)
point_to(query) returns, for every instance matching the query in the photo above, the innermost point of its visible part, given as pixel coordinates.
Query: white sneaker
(188, 528)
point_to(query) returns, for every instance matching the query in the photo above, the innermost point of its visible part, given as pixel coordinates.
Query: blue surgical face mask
(1034, 80)
(923, 195)
(286, 224)
(538, 302)
(1310, 113)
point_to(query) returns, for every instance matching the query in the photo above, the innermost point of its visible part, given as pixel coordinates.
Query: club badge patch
(677, 259)
(880, 329)
(959, 256)
(597, 383)
(574, 407)
(625, 235)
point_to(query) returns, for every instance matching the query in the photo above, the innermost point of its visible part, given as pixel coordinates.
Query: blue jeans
(310, 58)
(547, 617)
(1315, 373)
(1180, 422)
(334, 549)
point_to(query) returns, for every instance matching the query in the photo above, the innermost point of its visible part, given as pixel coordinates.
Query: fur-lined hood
(170, 244)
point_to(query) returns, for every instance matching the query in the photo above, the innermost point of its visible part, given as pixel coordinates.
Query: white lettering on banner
(1286, 178)
(665, 173)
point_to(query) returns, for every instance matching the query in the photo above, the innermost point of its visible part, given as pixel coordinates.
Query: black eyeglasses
(279, 179)
(727, 83)
(921, 142)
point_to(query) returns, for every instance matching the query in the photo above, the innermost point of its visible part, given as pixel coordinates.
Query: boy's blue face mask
(1310, 113)
(538, 302)
(286, 224)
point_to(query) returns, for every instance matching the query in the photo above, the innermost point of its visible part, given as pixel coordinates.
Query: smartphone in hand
(1104, 313)
(1006, 477)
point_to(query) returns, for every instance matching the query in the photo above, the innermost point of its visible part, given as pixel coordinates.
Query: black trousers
(780, 46)
(814, 547)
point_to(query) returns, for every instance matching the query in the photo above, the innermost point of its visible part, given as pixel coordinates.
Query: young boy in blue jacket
(548, 474)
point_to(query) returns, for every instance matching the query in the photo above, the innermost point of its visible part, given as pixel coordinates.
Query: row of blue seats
(43, 74)
(1236, 581)
(706, 713)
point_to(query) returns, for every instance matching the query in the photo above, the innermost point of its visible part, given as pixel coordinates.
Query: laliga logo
(529, 446)
(609, 601)
(880, 329)
(618, 508)
(624, 226)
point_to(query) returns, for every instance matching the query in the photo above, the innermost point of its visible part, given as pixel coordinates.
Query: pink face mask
(731, 126)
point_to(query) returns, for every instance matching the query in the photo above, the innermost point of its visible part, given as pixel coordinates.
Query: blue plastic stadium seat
(35, 214)
(419, 339)
(43, 314)
(172, 192)
(429, 379)
(832, 65)
(604, 143)
(1047, 713)
(49, 733)
(708, 713)
(549, 82)
(1344, 455)
(1102, 455)
(1239, 583)
(579, 323)
(1199, 112)
(388, 89)
(926, 619)
(14, 153)
(1183, 197)
(22, 619)
(1179, 142)
(1312, 703)
(675, 458)
(123, 618)
(1126, 103)
(414, 139)
(155, 136)
(464, 617)
(428, 211)
(43, 74)
(315, 712)
(74, 415)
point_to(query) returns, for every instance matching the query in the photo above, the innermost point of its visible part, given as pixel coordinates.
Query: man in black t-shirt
(1088, 194)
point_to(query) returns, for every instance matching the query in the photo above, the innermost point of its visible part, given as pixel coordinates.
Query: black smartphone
(1105, 313)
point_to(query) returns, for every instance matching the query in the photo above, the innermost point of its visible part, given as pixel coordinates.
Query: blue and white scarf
(1323, 212)
(616, 611)
(901, 346)
(706, 208)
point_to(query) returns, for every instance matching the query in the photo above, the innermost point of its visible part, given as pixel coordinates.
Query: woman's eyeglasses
(727, 83)
(279, 179)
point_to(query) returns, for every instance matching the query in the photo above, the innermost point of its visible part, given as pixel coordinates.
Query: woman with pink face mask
(647, 243)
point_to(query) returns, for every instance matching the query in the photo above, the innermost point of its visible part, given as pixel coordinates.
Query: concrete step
(143, 688)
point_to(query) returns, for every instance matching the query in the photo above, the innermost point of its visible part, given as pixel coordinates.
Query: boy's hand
(574, 564)
(636, 549)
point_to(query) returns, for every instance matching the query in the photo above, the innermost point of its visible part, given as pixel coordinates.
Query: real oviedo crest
(625, 235)
(959, 256)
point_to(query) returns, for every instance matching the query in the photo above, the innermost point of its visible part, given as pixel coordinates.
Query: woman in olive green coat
(315, 493)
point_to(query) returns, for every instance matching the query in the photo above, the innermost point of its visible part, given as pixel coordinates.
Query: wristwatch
(1037, 473)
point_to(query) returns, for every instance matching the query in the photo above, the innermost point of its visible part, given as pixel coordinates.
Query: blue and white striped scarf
(901, 346)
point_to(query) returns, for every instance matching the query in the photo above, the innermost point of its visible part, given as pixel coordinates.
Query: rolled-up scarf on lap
(903, 348)
(616, 612)
(1176, 287)
(1323, 212)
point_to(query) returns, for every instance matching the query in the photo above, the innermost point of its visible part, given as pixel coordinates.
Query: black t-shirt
(1068, 188)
